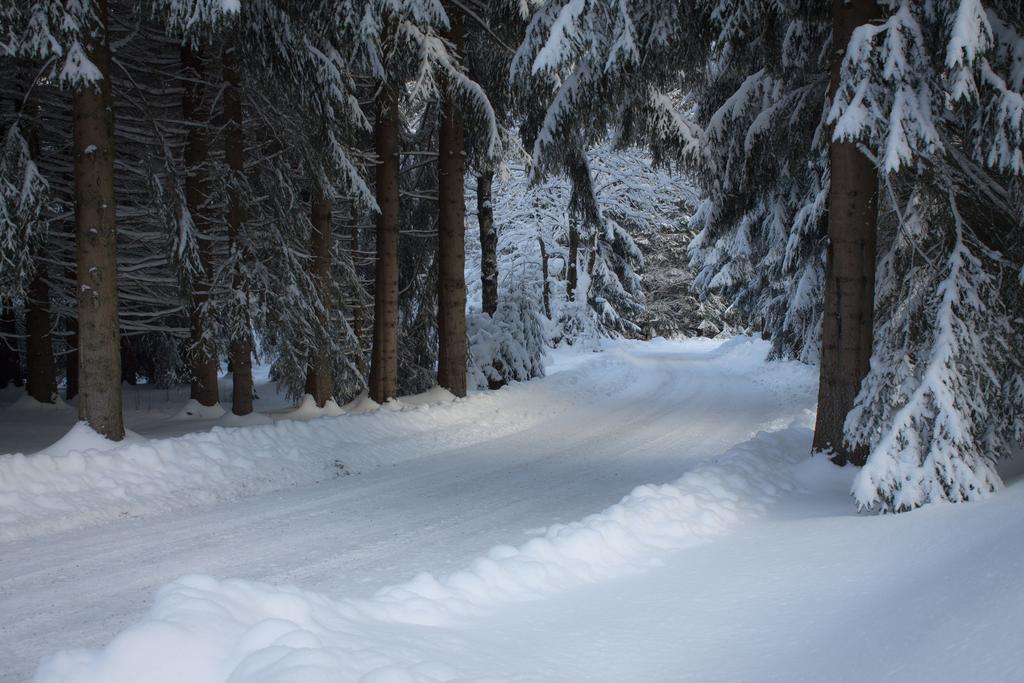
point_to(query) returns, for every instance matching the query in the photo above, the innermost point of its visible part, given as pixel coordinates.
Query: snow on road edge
(241, 631)
(84, 480)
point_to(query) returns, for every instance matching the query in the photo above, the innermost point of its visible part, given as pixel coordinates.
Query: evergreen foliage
(738, 94)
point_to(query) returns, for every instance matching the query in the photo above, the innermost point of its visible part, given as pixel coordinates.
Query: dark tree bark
(41, 380)
(571, 272)
(129, 362)
(10, 356)
(99, 402)
(451, 239)
(488, 257)
(319, 382)
(848, 324)
(592, 259)
(71, 361)
(384, 357)
(357, 310)
(234, 153)
(544, 275)
(488, 242)
(202, 353)
(42, 368)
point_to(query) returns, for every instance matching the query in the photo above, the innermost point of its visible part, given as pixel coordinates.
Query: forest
(340, 206)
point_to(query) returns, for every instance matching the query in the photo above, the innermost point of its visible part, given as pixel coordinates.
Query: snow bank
(82, 437)
(308, 409)
(621, 539)
(84, 479)
(203, 630)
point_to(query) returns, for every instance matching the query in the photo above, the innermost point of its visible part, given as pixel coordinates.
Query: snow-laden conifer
(932, 94)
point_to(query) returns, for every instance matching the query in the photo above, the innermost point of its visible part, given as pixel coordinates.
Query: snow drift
(243, 631)
(83, 479)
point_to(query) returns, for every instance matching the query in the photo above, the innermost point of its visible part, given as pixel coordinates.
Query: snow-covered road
(608, 422)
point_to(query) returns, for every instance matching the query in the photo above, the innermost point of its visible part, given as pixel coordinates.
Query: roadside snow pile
(83, 479)
(204, 631)
(308, 410)
(81, 437)
(625, 538)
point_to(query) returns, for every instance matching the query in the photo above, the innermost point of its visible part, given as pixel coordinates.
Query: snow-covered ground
(751, 564)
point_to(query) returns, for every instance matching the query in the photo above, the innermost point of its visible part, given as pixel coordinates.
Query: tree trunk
(848, 323)
(42, 368)
(71, 361)
(357, 310)
(202, 353)
(129, 362)
(451, 239)
(319, 383)
(234, 154)
(544, 275)
(99, 403)
(10, 356)
(384, 356)
(571, 277)
(488, 243)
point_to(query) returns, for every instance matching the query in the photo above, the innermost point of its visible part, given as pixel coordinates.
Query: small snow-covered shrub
(508, 347)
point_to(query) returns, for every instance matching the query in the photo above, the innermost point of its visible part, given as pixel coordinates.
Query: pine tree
(491, 28)
(41, 380)
(384, 361)
(41, 383)
(202, 353)
(488, 242)
(451, 254)
(71, 361)
(319, 382)
(99, 402)
(847, 323)
(355, 254)
(936, 92)
(240, 343)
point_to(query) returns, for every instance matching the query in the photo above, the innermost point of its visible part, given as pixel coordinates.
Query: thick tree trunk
(848, 323)
(42, 368)
(384, 357)
(357, 310)
(488, 242)
(99, 403)
(319, 382)
(544, 275)
(451, 239)
(10, 356)
(202, 353)
(571, 277)
(234, 154)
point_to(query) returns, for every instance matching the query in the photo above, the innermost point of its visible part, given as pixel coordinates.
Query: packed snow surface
(83, 479)
(751, 564)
